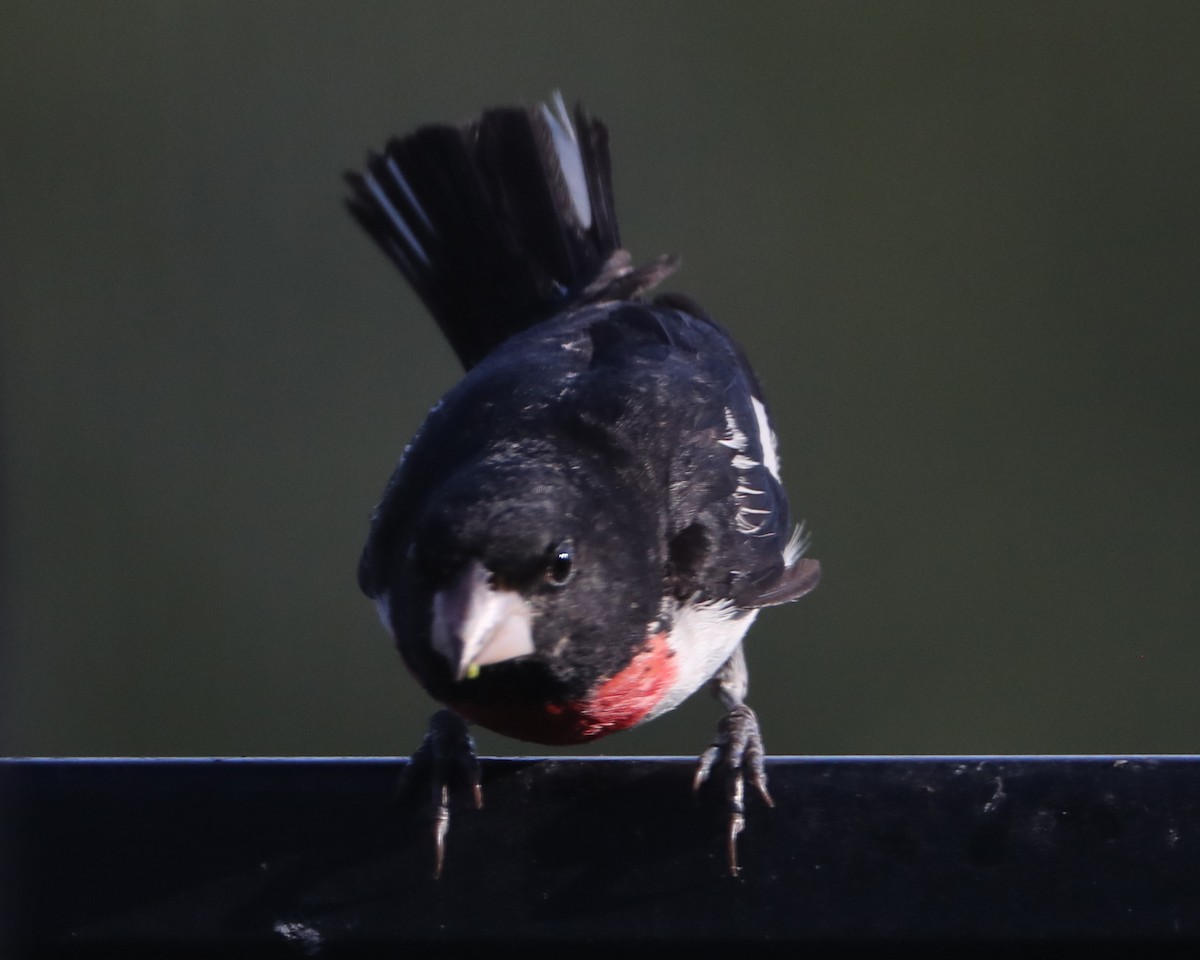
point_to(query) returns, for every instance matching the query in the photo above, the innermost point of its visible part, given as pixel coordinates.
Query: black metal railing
(317, 857)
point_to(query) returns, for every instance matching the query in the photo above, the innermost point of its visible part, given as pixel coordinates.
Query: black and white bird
(585, 527)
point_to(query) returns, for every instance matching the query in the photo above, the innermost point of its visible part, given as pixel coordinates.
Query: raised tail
(502, 222)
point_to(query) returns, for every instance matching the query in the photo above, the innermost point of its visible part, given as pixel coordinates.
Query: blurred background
(961, 243)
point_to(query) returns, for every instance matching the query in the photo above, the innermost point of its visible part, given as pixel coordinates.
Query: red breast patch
(618, 703)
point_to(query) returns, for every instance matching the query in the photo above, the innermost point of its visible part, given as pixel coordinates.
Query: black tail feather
(500, 223)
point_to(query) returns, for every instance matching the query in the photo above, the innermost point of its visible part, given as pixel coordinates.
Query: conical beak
(476, 623)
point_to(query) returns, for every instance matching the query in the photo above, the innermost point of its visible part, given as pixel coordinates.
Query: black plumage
(585, 526)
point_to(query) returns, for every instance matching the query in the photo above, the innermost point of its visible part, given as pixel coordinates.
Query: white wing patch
(749, 519)
(734, 438)
(766, 436)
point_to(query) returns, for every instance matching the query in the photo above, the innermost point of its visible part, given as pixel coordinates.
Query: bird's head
(526, 563)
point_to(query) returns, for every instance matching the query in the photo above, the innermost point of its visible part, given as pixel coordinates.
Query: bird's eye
(562, 564)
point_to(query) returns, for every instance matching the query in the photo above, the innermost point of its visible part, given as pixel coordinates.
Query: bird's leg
(448, 753)
(736, 750)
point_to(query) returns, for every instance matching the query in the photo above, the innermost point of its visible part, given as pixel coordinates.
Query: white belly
(703, 638)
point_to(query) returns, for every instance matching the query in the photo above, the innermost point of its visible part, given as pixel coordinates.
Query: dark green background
(960, 242)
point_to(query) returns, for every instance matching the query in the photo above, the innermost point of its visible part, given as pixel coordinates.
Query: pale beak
(476, 623)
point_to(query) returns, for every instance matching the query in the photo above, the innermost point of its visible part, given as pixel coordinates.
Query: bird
(585, 526)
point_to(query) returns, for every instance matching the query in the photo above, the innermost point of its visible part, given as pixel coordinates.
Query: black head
(524, 574)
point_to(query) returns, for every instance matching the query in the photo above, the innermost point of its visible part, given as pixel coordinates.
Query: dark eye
(562, 564)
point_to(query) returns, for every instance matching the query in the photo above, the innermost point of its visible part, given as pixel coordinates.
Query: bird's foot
(737, 752)
(447, 757)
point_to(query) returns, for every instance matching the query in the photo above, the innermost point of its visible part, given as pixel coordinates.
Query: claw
(441, 826)
(704, 766)
(738, 749)
(449, 752)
